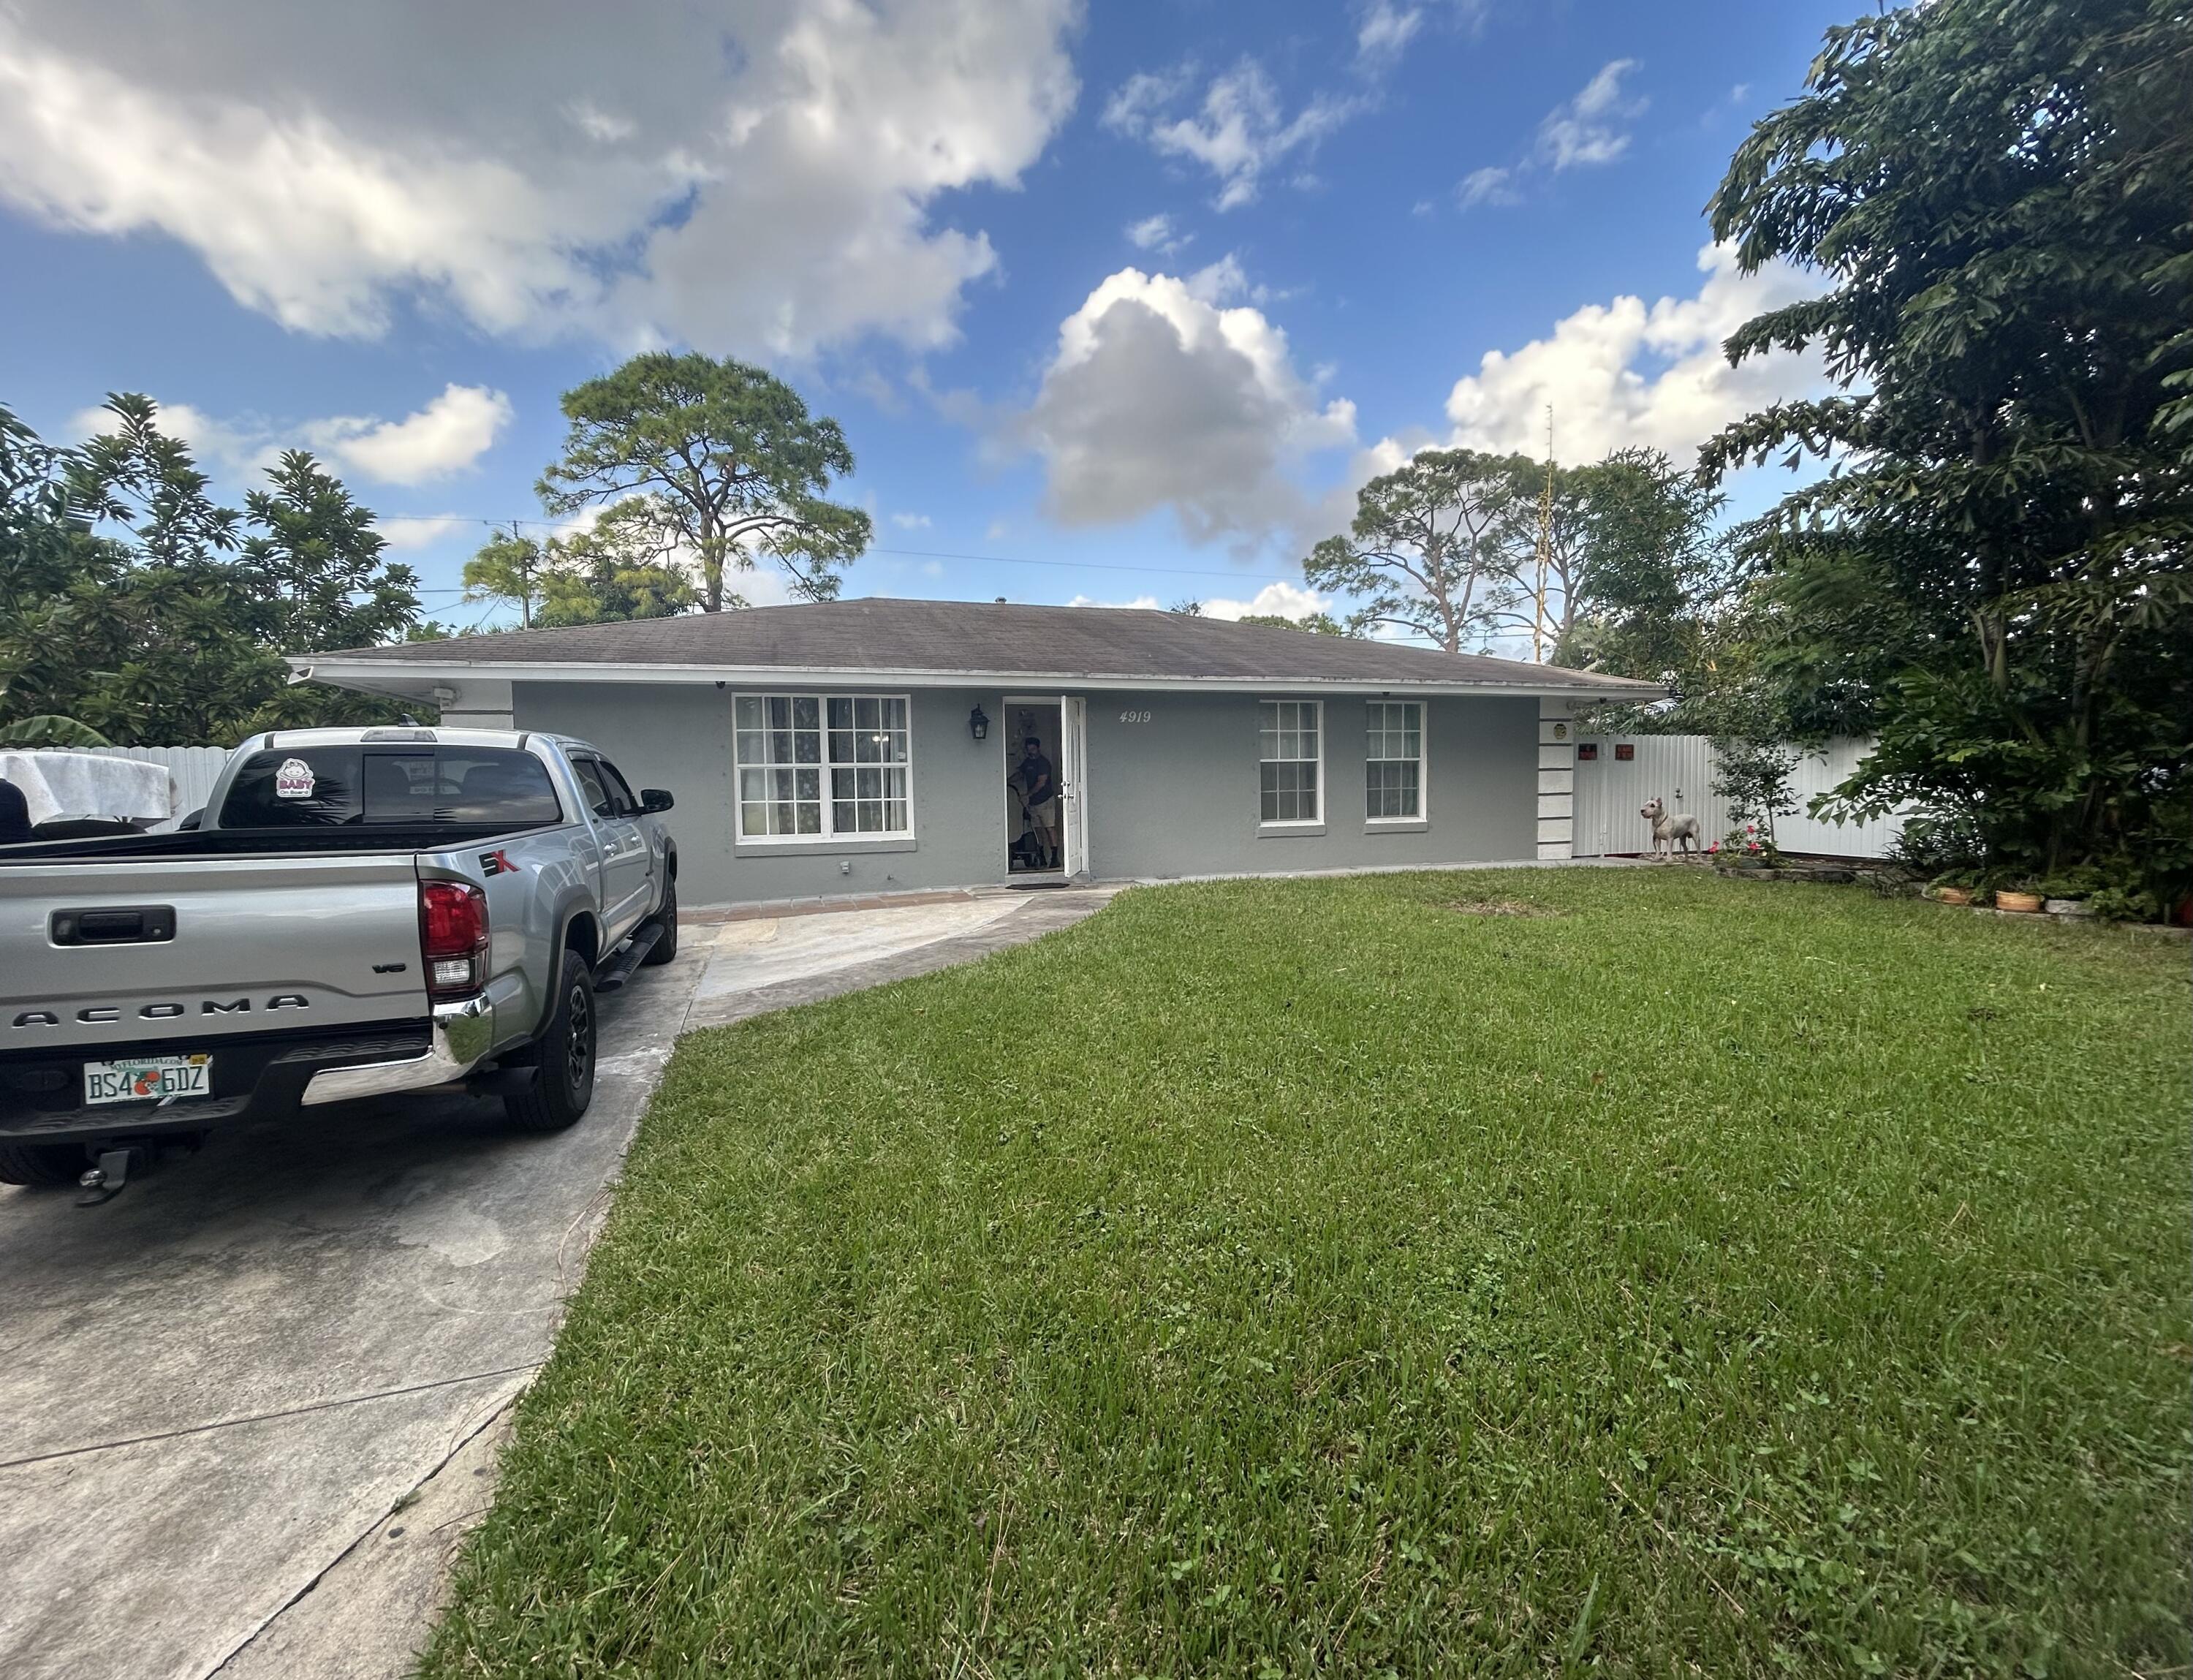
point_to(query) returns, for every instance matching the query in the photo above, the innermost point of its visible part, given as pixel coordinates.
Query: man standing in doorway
(1040, 792)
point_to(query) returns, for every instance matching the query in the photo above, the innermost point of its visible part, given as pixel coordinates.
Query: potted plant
(1743, 849)
(2019, 901)
(2066, 893)
(1954, 886)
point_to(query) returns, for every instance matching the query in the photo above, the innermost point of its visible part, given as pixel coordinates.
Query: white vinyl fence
(193, 769)
(1611, 789)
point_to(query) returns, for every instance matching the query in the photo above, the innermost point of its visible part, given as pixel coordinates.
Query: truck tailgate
(257, 943)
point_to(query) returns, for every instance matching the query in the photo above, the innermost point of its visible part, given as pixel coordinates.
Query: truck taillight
(453, 937)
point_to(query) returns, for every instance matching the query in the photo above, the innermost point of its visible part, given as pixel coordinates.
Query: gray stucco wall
(670, 735)
(1175, 796)
(1178, 795)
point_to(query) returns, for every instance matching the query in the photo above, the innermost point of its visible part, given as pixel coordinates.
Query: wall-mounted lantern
(978, 724)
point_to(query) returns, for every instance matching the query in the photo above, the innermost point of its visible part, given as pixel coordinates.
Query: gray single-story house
(875, 745)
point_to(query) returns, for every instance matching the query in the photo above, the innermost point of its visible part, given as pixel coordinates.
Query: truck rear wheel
(564, 1056)
(41, 1163)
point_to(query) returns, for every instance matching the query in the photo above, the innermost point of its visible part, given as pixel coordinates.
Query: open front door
(1073, 773)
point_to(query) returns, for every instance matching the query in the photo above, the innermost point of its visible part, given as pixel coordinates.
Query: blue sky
(1126, 299)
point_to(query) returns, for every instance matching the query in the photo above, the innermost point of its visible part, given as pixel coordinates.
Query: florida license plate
(147, 1078)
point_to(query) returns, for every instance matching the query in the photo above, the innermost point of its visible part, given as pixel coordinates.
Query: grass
(1279, 1279)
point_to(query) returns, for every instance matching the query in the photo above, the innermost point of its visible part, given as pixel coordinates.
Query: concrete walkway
(755, 967)
(249, 1409)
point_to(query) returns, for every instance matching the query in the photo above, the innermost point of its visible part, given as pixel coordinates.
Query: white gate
(1617, 774)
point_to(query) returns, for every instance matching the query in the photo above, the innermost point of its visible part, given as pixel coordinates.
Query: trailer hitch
(105, 1181)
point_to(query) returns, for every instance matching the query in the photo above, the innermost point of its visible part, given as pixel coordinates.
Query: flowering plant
(1744, 848)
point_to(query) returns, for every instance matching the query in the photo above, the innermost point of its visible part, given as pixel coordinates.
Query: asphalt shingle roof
(993, 639)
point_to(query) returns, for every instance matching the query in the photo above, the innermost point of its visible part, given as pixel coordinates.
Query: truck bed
(197, 844)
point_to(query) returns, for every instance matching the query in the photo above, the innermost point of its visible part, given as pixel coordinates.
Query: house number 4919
(1134, 717)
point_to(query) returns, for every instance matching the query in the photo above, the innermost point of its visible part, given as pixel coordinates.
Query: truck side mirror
(656, 799)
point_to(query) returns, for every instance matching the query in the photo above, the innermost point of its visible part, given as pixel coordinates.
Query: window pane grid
(1288, 754)
(788, 745)
(1393, 754)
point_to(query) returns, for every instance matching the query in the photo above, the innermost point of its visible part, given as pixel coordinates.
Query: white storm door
(1073, 764)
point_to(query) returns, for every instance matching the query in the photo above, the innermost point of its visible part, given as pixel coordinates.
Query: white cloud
(1581, 131)
(766, 585)
(1489, 186)
(599, 124)
(1626, 373)
(1385, 28)
(405, 532)
(1385, 32)
(1226, 281)
(446, 437)
(1161, 396)
(1273, 600)
(911, 521)
(1586, 130)
(236, 446)
(1157, 234)
(1238, 131)
(1276, 601)
(760, 178)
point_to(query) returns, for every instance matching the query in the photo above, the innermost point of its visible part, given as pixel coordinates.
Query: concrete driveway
(248, 1409)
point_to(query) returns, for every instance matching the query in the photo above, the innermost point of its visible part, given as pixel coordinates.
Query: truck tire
(666, 947)
(41, 1163)
(564, 1056)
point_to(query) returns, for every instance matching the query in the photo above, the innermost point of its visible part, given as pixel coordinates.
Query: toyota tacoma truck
(355, 912)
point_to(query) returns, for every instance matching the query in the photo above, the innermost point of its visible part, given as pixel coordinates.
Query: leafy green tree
(47, 729)
(149, 635)
(509, 566)
(315, 562)
(313, 571)
(1632, 567)
(134, 605)
(1432, 550)
(1316, 623)
(2001, 193)
(725, 460)
(616, 570)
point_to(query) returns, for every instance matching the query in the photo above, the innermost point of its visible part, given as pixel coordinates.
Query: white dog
(1669, 832)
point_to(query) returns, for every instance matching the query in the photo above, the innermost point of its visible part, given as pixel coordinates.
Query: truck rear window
(335, 787)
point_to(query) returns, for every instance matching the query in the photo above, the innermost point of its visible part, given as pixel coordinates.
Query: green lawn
(1688, 1277)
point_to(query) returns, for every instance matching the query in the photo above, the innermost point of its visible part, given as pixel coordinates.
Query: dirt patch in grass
(1499, 907)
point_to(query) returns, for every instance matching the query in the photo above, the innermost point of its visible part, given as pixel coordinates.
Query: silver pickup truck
(355, 912)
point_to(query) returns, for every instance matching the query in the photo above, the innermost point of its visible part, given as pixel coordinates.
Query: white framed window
(823, 766)
(1291, 767)
(1394, 761)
